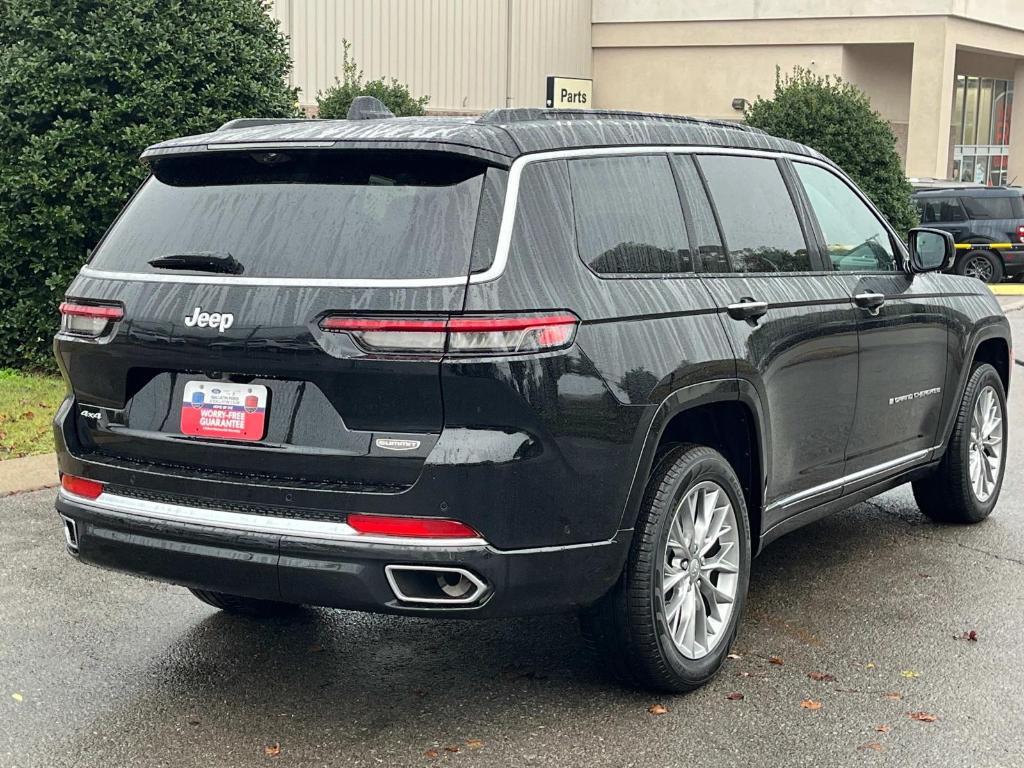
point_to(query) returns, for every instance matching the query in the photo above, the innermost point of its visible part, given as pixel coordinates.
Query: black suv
(987, 224)
(531, 362)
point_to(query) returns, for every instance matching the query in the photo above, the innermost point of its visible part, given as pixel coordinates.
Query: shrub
(85, 86)
(335, 101)
(835, 118)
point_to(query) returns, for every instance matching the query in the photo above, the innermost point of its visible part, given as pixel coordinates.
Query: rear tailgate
(268, 393)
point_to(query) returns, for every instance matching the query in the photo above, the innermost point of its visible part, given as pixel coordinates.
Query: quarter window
(760, 225)
(855, 238)
(628, 216)
(989, 207)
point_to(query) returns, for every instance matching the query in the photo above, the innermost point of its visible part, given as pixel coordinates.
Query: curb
(29, 473)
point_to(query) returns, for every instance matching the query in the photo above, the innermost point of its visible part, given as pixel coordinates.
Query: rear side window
(336, 214)
(991, 207)
(940, 209)
(759, 222)
(628, 216)
(855, 238)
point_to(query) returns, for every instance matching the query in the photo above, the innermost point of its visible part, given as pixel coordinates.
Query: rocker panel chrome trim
(838, 483)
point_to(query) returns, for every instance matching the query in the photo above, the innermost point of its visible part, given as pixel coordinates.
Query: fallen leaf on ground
(883, 728)
(874, 746)
(474, 743)
(452, 748)
(821, 677)
(28, 415)
(734, 696)
(431, 753)
(272, 750)
(658, 709)
(17, 697)
(869, 665)
(910, 673)
(892, 695)
(923, 717)
(971, 636)
(810, 704)
(734, 656)
(776, 661)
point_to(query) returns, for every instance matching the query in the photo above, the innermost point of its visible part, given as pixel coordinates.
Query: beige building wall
(467, 55)
(696, 58)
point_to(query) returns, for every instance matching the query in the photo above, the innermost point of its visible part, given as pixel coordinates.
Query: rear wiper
(201, 261)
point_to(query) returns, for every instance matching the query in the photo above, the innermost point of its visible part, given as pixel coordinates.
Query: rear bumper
(328, 564)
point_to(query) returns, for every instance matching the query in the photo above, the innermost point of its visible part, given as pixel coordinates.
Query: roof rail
(525, 114)
(252, 122)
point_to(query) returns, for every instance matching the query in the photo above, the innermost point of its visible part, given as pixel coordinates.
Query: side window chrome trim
(501, 255)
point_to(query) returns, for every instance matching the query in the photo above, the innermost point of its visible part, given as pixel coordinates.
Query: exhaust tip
(70, 534)
(435, 585)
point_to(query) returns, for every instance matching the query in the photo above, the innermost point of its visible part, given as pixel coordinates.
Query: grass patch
(27, 404)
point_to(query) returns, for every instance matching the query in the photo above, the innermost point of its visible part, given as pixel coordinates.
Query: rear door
(792, 328)
(370, 235)
(903, 325)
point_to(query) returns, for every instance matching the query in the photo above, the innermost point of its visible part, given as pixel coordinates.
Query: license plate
(224, 410)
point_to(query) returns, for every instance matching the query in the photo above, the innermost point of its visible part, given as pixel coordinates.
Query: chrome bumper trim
(237, 521)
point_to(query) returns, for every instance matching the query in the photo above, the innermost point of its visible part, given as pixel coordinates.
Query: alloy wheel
(700, 570)
(986, 445)
(980, 268)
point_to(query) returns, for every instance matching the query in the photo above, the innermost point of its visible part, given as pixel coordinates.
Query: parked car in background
(529, 362)
(987, 224)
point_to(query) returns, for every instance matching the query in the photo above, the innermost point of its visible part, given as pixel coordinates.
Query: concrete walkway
(30, 473)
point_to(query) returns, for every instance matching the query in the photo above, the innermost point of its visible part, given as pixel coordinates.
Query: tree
(85, 86)
(335, 101)
(835, 118)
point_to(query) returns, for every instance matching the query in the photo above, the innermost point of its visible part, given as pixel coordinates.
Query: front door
(792, 327)
(903, 325)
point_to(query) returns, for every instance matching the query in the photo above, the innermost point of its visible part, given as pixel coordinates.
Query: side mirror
(931, 250)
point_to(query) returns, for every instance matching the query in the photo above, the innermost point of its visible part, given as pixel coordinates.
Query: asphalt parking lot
(99, 669)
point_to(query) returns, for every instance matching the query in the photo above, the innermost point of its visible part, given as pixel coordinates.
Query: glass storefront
(981, 113)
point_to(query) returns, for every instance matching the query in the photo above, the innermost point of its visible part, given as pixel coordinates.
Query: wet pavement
(101, 669)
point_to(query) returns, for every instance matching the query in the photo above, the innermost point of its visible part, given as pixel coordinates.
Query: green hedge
(85, 86)
(335, 101)
(836, 118)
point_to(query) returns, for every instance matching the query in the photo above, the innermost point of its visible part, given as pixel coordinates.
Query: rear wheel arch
(728, 421)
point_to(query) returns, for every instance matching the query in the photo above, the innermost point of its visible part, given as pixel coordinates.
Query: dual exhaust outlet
(414, 584)
(435, 585)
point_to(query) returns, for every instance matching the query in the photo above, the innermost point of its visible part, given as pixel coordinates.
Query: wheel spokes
(700, 573)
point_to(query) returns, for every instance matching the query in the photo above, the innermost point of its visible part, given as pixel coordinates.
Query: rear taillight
(79, 486)
(411, 527)
(1020, 234)
(464, 335)
(88, 319)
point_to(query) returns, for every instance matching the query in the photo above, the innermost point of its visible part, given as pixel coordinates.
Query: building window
(982, 108)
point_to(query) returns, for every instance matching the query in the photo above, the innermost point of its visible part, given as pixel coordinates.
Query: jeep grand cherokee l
(533, 361)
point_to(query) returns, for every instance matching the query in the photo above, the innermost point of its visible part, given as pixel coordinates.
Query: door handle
(872, 302)
(747, 309)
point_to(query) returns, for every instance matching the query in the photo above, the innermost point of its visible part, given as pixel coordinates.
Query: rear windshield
(335, 214)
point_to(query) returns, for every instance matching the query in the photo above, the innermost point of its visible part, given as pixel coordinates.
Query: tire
(245, 606)
(952, 494)
(631, 628)
(984, 265)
